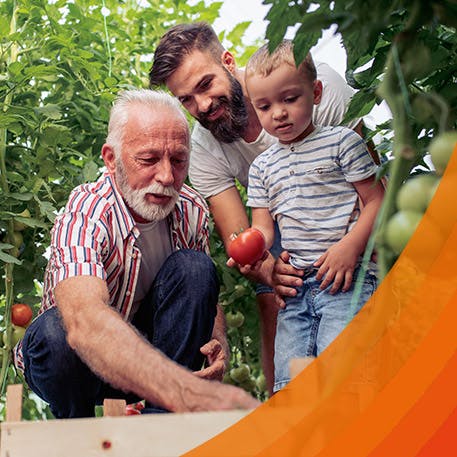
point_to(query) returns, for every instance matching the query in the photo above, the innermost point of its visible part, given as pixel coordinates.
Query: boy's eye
(263, 107)
(291, 99)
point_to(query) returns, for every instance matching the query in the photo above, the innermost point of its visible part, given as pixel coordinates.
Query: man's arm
(118, 354)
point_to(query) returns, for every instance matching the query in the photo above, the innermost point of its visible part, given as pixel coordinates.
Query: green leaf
(7, 258)
(361, 104)
(50, 111)
(90, 171)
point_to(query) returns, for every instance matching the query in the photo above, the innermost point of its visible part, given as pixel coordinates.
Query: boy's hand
(337, 265)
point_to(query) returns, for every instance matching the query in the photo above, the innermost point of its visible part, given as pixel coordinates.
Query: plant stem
(9, 267)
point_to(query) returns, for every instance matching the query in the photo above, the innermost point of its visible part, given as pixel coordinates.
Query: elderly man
(129, 307)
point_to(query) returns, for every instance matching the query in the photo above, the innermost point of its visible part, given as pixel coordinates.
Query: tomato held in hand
(248, 247)
(21, 314)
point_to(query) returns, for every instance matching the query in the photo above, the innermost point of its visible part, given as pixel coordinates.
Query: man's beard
(231, 126)
(136, 198)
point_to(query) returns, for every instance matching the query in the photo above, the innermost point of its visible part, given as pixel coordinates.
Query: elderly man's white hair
(157, 99)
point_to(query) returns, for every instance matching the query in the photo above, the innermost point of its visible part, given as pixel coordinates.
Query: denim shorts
(275, 250)
(312, 320)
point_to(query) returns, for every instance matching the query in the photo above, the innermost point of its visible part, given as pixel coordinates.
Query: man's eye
(205, 84)
(184, 100)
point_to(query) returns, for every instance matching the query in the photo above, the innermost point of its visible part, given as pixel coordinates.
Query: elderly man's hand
(217, 357)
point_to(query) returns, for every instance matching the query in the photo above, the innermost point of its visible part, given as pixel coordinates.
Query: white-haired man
(129, 307)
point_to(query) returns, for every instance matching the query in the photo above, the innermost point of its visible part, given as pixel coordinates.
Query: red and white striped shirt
(95, 235)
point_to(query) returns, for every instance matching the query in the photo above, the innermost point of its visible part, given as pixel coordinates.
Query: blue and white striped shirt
(307, 187)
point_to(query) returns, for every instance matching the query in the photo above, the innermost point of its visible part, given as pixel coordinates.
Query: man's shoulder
(97, 195)
(189, 196)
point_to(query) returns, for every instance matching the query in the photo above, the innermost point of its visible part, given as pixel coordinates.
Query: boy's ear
(317, 91)
(228, 61)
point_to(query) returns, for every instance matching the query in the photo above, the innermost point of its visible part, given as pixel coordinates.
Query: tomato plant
(247, 247)
(21, 314)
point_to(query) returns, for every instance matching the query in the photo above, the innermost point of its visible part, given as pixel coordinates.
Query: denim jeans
(177, 317)
(312, 320)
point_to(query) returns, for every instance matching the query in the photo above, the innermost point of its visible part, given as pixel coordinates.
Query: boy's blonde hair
(262, 63)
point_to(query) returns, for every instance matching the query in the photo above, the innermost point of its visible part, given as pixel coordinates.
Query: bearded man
(194, 65)
(129, 306)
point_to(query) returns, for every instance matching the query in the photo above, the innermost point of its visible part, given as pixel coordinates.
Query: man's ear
(317, 91)
(109, 158)
(228, 61)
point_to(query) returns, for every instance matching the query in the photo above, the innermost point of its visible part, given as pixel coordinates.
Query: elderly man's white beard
(136, 198)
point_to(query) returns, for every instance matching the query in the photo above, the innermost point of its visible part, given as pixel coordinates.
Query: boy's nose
(279, 113)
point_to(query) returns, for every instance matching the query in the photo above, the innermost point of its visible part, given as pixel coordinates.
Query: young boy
(310, 182)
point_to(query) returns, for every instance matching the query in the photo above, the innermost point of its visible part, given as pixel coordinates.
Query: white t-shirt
(214, 165)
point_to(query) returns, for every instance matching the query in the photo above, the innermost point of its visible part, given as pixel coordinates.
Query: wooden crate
(149, 435)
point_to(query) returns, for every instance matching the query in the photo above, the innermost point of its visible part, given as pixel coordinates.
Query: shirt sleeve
(79, 239)
(354, 159)
(257, 194)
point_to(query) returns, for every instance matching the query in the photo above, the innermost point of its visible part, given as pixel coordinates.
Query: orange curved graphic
(387, 385)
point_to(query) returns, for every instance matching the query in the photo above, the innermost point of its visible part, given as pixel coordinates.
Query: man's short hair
(178, 43)
(262, 63)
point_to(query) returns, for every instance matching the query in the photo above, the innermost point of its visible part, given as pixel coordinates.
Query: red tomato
(248, 247)
(130, 410)
(21, 314)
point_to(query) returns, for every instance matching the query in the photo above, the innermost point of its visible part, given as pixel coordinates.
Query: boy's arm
(338, 263)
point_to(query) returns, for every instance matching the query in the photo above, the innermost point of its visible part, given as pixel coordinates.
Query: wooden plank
(14, 402)
(148, 435)
(114, 407)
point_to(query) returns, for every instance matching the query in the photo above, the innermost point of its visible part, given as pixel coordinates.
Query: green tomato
(18, 225)
(249, 384)
(240, 373)
(416, 193)
(441, 148)
(400, 228)
(234, 320)
(17, 333)
(261, 382)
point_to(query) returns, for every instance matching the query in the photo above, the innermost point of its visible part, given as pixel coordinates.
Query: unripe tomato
(441, 148)
(17, 333)
(240, 373)
(249, 384)
(234, 320)
(248, 247)
(18, 225)
(417, 192)
(399, 229)
(21, 314)
(261, 382)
